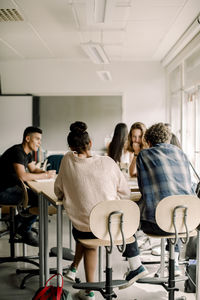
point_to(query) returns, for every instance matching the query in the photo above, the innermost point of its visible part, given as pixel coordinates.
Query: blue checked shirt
(162, 170)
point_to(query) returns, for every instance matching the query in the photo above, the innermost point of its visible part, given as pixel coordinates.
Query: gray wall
(101, 114)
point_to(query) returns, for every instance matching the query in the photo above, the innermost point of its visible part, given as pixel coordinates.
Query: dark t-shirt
(15, 154)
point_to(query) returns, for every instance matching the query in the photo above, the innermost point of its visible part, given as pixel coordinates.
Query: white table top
(47, 188)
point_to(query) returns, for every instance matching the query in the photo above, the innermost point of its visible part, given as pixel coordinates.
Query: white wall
(140, 83)
(15, 116)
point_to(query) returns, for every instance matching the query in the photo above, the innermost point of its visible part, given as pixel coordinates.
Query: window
(183, 76)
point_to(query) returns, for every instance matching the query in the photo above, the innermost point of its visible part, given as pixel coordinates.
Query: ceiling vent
(104, 75)
(10, 15)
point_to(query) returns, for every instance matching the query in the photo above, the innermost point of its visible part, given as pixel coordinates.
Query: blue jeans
(148, 228)
(152, 228)
(131, 249)
(14, 195)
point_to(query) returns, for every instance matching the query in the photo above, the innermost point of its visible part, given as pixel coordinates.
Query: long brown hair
(142, 127)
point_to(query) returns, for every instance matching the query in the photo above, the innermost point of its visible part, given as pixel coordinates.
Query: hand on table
(50, 174)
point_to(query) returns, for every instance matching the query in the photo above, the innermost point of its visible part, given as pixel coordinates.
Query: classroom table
(45, 190)
(133, 184)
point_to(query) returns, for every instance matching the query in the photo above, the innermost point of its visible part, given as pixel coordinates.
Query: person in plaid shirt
(162, 170)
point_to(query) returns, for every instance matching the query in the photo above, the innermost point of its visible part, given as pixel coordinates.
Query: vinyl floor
(10, 281)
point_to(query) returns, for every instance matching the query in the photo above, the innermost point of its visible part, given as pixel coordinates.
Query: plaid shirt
(162, 170)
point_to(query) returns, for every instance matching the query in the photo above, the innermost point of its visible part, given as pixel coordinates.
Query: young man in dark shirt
(16, 164)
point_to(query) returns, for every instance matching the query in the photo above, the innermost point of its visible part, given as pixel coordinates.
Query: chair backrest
(184, 204)
(100, 214)
(25, 195)
(53, 162)
(21, 207)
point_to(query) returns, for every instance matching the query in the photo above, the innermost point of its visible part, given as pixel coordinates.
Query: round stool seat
(67, 254)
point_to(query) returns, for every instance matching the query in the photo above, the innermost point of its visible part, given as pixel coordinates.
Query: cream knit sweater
(83, 182)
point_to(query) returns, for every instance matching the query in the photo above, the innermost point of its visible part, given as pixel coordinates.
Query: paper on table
(45, 180)
(132, 182)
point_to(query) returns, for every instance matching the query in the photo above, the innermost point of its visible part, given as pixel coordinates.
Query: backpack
(52, 292)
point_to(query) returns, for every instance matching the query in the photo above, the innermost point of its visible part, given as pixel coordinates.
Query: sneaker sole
(81, 297)
(130, 282)
(155, 253)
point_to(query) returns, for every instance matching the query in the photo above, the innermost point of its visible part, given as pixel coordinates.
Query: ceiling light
(99, 11)
(96, 53)
(104, 75)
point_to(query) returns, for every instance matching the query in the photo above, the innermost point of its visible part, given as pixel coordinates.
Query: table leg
(70, 235)
(41, 240)
(100, 264)
(59, 242)
(46, 240)
(162, 259)
(198, 267)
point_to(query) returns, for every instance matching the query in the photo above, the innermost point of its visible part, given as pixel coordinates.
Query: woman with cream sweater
(83, 181)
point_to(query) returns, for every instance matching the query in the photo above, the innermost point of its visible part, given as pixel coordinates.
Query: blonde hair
(142, 127)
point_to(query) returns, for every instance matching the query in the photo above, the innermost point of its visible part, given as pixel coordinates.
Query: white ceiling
(136, 30)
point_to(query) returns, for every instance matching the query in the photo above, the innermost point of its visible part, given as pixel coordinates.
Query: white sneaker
(71, 274)
(83, 295)
(156, 251)
(177, 271)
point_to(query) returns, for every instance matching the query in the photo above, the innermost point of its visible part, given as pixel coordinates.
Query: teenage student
(136, 143)
(82, 182)
(16, 164)
(162, 170)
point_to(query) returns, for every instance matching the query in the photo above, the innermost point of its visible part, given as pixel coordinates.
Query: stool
(111, 227)
(13, 240)
(180, 216)
(33, 272)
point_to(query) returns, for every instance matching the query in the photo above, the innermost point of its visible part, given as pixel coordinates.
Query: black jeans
(13, 195)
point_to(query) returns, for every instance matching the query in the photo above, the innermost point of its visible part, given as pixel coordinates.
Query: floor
(10, 281)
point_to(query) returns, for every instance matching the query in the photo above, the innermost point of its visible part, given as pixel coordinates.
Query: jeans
(152, 228)
(131, 249)
(13, 196)
(148, 228)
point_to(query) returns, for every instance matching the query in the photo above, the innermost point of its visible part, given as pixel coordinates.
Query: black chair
(53, 162)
